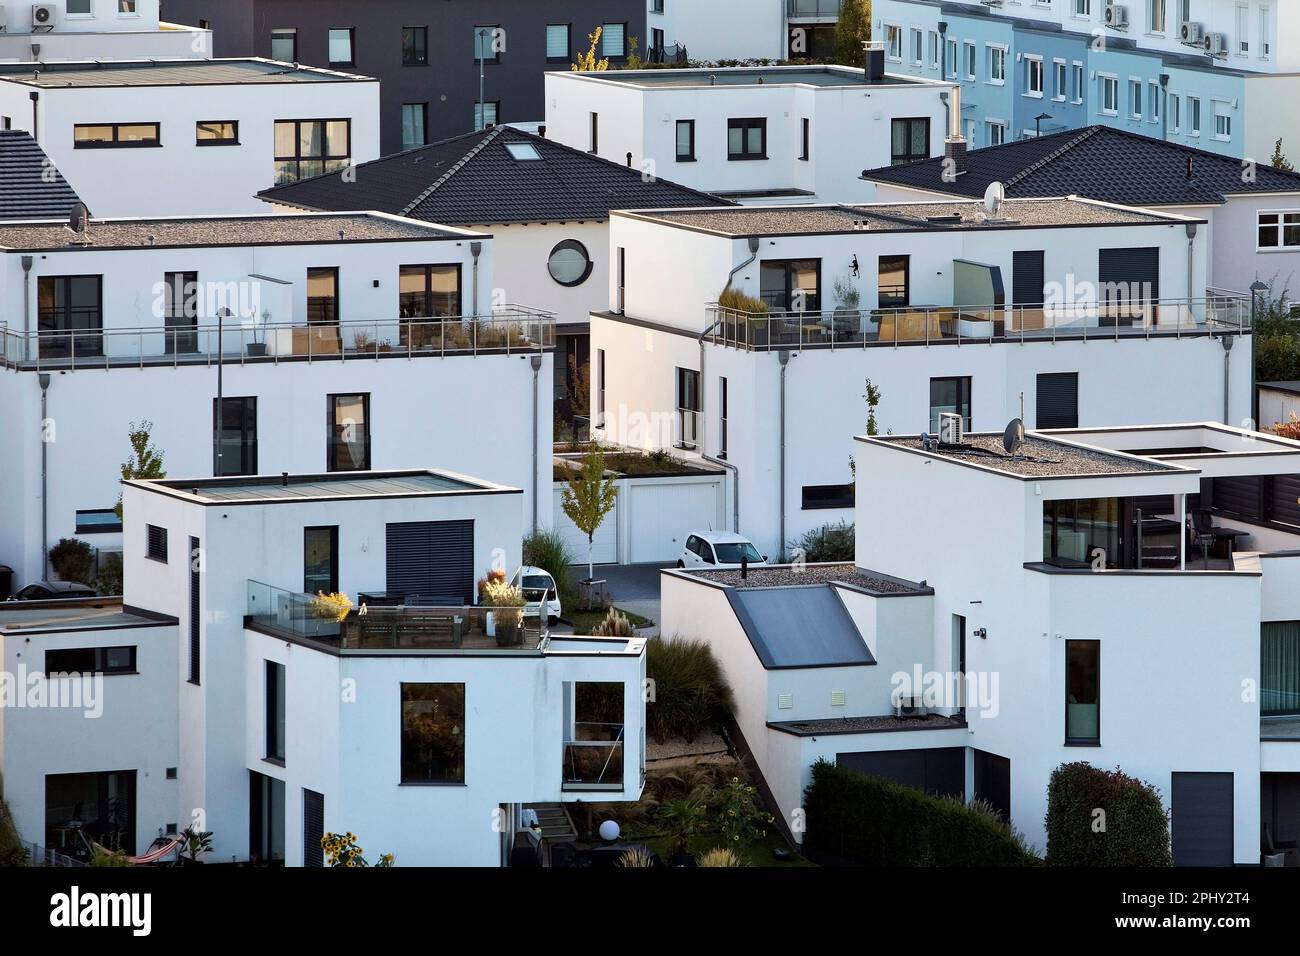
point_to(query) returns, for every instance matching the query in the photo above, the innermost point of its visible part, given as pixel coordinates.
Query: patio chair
(1209, 536)
(1275, 853)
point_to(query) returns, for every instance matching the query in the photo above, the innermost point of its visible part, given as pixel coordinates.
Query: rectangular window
(1078, 531)
(826, 497)
(936, 50)
(313, 828)
(909, 139)
(79, 8)
(116, 135)
(427, 292)
(722, 417)
(557, 42)
(235, 430)
(1083, 8)
(1153, 100)
(612, 41)
(1082, 692)
(1279, 230)
(1156, 16)
(181, 297)
(91, 660)
(155, 543)
(1057, 400)
(1076, 70)
(918, 47)
(320, 560)
(688, 408)
(415, 46)
(284, 45)
(1058, 80)
(997, 132)
(98, 807)
(1279, 670)
(195, 622)
(216, 133)
(1175, 112)
(593, 132)
(1265, 44)
(949, 395)
(486, 48)
(98, 521)
(348, 442)
(893, 281)
(1194, 114)
(306, 148)
(952, 59)
(70, 316)
(1110, 95)
(791, 285)
(997, 65)
(805, 136)
(970, 60)
(340, 46)
(894, 42)
(415, 117)
(600, 388)
(433, 733)
(593, 735)
(323, 296)
(485, 115)
(1135, 99)
(1243, 30)
(275, 712)
(686, 141)
(1222, 125)
(1033, 76)
(746, 139)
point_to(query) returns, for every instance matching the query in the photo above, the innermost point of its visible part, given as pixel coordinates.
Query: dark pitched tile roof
(473, 179)
(27, 191)
(1099, 162)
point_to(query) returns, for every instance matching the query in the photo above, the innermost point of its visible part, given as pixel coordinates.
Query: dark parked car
(54, 591)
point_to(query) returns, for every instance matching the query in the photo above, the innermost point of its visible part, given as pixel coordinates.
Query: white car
(718, 549)
(539, 588)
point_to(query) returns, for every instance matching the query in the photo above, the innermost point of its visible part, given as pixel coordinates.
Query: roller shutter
(432, 561)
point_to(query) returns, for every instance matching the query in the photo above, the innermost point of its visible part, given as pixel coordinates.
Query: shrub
(721, 857)
(736, 300)
(1131, 829)
(1277, 357)
(547, 549)
(859, 820)
(1289, 428)
(690, 693)
(615, 624)
(12, 851)
(742, 817)
(109, 579)
(72, 560)
(830, 542)
(635, 857)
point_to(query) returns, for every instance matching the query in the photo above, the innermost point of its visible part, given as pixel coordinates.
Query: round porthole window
(569, 263)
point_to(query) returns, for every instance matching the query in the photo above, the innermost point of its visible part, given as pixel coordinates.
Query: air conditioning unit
(950, 430)
(909, 706)
(1192, 33)
(1215, 44)
(44, 15)
(1116, 16)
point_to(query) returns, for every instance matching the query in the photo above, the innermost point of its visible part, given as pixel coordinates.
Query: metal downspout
(536, 361)
(475, 248)
(783, 357)
(44, 381)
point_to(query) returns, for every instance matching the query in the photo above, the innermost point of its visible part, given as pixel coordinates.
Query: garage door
(1201, 820)
(433, 560)
(993, 781)
(662, 515)
(605, 547)
(937, 770)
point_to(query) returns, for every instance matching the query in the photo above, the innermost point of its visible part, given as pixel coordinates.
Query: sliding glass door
(70, 316)
(1279, 669)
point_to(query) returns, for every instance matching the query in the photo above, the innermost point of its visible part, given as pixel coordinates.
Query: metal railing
(593, 757)
(511, 329)
(934, 325)
(408, 625)
(813, 9)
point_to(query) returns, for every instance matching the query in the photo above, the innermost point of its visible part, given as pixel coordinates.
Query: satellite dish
(994, 197)
(1014, 436)
(77, 218)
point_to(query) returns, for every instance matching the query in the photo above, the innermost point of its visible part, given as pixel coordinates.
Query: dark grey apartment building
(426, 53)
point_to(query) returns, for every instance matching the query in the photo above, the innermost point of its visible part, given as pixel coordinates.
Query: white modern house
(753, 133)
(337, 342)
(1076, 311)
(745, 30)
(1062, 576)
(154, 137)
(231, 700)
(91, 29)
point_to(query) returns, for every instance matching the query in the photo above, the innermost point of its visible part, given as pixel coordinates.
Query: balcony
(812, 9)
(508, 330)
(958, 325)
(403, 627)
(593, 757)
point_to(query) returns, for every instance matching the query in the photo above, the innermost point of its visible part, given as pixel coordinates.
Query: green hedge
(853, 819)
(1134, 830)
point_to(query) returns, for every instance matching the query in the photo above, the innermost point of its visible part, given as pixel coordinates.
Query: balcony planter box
(256, 349)
(509, 633)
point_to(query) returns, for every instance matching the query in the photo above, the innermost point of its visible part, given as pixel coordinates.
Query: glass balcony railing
(404, 624)
(593, 757)
(812, 9)
(933, 325)
(509, 329)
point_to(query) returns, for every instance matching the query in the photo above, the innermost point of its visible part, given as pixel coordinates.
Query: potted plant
(507, 603)
(257, 347)
(330, 607)
(848, 316)
(194, 843)
(494, 576)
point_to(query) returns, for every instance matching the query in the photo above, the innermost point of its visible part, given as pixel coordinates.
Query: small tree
(1279, 160)
(589, 497)
(587, 62)
(872, 397)
(851, 31)
(146, 460)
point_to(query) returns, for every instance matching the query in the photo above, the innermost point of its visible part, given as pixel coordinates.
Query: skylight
(523, 151)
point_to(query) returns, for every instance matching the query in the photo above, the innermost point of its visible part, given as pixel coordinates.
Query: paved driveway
(635, 588)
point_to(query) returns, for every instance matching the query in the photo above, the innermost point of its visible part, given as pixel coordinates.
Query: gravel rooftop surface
(857, 725)
(1038, 457)
(786, 576)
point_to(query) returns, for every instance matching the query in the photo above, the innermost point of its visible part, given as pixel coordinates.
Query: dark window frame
(805, 134)
(109, 527)
(481, 123)
(333, 586)
(965, 389)
(565, 244)
(688, 157)
(155, 543)
(333, 446)
(568, 43)
(196, 616)
(789, 267)
(275, 705)
(285, 32)
(99, 660)
(321, 272)
(352, 46)
(593, 132)
(895, 302)
(115, 142)
(828, 497)
(416, 52)
(247, 444)
(57, 324)
(451, 779)
(745, 124)
(1096, 663)
(614, 57)
(328, 156)
(897, 159)
(424, 125)
(232, 140)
